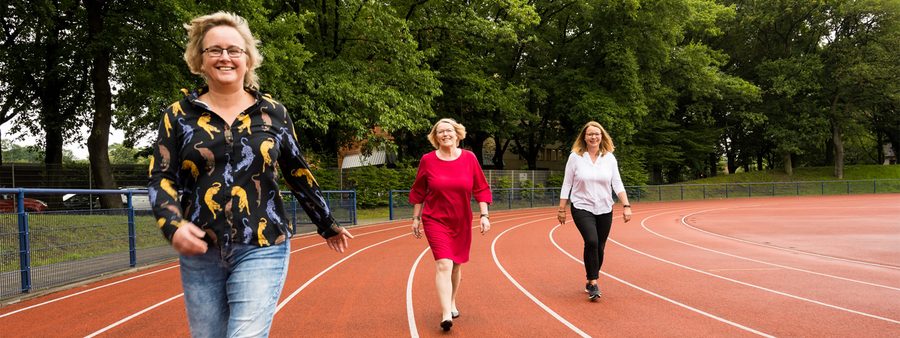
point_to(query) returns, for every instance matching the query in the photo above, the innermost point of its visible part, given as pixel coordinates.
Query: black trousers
(595, 230)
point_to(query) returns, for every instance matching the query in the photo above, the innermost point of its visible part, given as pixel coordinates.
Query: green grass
(372, 214)
(56, 238)
(856, 172)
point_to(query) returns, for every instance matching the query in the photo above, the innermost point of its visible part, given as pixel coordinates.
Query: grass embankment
(810, 174)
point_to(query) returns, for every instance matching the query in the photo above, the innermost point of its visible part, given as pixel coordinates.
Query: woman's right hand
(561, 216)
(188, 239)
(417, 227)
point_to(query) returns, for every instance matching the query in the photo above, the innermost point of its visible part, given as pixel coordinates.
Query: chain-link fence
(538, 197)
(44, 246)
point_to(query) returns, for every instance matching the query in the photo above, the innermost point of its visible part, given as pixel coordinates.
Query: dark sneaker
(593, 292)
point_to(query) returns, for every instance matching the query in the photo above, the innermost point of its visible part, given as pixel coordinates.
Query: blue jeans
(235, 294)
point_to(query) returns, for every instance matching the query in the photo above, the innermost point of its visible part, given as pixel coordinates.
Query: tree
(860, 62)
(43, 71)
(470, 47)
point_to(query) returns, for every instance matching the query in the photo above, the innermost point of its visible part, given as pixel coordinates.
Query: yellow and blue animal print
(225, 167)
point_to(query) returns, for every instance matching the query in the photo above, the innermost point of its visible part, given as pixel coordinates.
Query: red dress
(446, 188)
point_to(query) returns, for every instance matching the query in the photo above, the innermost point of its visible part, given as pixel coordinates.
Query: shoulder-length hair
(197, 29)
(458, 127)
(606, 142)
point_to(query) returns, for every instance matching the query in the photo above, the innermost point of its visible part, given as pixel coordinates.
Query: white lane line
(410, 313)
(308, 282)
(747, 269)
(752, 285)
(685, 223)
(171, 267)
(769, 263)
(133, 316)
(86, 291)
(122, 321)
(701, 312)
(522, 289)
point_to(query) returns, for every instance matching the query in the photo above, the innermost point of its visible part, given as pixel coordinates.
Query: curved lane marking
(688, 307)
(123, 320)
(782, 248)
(86, 291)
(172, 267)
(785, 294)
(764, 262)
(410, 313)
(522, 289)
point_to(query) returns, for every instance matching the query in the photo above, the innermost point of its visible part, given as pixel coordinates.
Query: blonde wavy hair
(458, 127)
(606, 142)
(197, 29)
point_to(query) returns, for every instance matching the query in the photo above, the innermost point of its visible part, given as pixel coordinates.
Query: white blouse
(589, 185)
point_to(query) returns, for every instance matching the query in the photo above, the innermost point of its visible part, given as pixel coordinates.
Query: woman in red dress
(447, 180)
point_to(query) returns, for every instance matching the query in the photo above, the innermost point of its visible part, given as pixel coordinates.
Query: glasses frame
(216, 51)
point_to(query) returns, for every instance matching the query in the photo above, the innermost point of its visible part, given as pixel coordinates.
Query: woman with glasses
(592, 175)
(213, 185)
(447, 180)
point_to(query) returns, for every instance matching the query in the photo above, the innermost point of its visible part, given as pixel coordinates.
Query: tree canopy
(687, 88)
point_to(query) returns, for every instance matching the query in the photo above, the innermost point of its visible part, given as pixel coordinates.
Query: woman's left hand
(485, 225)
(626, 214)
(339, 242)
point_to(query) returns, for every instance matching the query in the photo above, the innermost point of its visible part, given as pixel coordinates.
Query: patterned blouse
(227, 174)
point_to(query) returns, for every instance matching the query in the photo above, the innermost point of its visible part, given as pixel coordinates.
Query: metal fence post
(294, 213)
(391, 205)
(682, 192)
(704, 191)
(353, 210)
(24, 248)
(132, 245)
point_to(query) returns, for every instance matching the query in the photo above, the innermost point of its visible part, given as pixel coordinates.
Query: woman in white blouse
(592, 174)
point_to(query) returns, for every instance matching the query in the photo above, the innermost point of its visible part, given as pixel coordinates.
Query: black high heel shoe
(447, 324)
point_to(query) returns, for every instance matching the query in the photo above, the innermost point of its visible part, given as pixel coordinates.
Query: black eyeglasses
(215, 52)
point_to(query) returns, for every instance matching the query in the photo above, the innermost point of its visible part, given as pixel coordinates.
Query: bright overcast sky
(79, 150)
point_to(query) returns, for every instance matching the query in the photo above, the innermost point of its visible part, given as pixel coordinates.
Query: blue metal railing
(515, 198)
(56, 244)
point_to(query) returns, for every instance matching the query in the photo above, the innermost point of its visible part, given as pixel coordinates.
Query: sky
(79, 150)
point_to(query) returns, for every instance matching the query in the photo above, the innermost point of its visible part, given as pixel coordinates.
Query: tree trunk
(477, 145)
(98, 141)
(838, 150)
(732, 161)
(499, 151)
(713, 165)
(788, 165)
(656, 174)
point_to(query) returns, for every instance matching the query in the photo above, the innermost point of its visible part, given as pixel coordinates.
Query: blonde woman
(592, 175)
(218, 146)
(447, 180)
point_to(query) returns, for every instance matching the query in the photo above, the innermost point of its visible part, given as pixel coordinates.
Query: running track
(809, 266)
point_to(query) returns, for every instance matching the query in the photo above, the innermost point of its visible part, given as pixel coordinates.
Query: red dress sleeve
(420, 186)
(480, 188)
